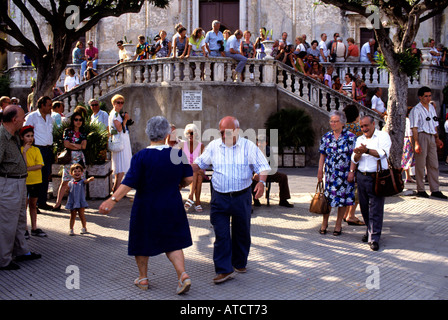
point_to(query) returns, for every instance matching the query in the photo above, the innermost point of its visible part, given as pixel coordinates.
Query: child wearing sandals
(76, 201)
(34, 163)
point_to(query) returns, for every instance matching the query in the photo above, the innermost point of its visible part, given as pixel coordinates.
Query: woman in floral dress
(335, 151)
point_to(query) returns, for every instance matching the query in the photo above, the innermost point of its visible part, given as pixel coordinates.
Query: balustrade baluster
(177, 67)
(138, 74)
(324, 99)
(257, 73)
(146, 74)
(104, 87)
(207, 70)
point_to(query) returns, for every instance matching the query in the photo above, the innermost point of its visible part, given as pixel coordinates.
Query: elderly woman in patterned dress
(335, 150)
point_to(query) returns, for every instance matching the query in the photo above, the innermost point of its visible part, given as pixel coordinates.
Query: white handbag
(115, 143)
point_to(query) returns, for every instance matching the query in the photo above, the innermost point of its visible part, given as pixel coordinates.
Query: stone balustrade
(166, 71)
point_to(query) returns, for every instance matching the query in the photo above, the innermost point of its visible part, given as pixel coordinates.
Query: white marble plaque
(191, 100)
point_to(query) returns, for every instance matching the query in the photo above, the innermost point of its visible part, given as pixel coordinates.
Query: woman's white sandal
(188, 204)
(183, 286)
(141, 286)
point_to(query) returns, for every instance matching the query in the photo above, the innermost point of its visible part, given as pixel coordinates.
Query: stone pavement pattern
(289, 259)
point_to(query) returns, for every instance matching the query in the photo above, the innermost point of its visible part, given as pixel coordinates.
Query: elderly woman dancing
(158, 221)
(335, 149)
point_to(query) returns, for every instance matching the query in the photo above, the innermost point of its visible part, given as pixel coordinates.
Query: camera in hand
(130, 122)
(221, 45)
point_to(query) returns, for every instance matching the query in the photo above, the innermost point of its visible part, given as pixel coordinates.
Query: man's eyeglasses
(94, 105)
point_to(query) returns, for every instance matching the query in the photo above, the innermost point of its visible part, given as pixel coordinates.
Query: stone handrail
(165, 71)
(315, 93)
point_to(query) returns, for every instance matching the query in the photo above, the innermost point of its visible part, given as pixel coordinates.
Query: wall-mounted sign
(191, 100)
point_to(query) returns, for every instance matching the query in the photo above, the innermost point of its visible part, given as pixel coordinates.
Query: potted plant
(295, 133)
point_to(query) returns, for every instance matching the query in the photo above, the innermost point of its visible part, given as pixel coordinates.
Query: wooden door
(227, 12)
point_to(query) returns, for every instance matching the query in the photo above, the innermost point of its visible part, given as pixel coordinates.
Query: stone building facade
(296, 17)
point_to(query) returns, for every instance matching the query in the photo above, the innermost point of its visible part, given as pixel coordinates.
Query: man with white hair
(367, 54)
(234, 159)
(214, 40)
(13, 173)
(98, 115)
(233, 51)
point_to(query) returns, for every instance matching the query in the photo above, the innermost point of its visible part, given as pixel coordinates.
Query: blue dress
(158, 222)
(338, 153)
(77, 195)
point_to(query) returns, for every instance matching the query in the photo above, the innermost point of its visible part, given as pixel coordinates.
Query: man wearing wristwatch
(372, 146)
(234, 159)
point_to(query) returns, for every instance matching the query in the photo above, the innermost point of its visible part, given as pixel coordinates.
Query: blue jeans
(241, 61)
(232, 243)
(84, 67)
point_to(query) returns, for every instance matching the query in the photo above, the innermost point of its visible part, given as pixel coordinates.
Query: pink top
(192, 156)
(91, 52)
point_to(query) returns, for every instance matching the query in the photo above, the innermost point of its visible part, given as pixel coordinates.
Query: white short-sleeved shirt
(378, 104)
(43, 129)
(71, 82)
(365, 49)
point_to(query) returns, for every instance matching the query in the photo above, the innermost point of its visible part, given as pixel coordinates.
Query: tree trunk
(396, 119)
(48, 73)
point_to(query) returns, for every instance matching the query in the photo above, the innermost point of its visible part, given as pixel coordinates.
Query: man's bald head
(13, 117)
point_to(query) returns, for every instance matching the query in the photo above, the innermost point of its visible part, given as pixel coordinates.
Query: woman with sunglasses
(75, 141)
(121, 160)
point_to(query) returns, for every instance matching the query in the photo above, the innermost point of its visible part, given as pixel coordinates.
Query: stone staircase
(209, 71)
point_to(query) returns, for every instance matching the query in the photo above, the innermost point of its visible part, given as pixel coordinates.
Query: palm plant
(294, 128)
(97, 136)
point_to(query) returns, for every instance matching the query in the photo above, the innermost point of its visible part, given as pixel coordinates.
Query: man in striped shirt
(424, 122)
(234, 160)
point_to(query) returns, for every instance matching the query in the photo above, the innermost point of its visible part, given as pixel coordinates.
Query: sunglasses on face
(77, 119)
(119, 102)
(94, 104)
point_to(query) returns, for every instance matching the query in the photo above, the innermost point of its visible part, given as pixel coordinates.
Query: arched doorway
(225, 11)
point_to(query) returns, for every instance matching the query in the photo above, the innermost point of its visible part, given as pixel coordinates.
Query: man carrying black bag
(372, 146)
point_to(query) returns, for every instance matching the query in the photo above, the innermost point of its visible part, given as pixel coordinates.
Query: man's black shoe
(438, 194)
(374, 246)
(365, 238)
(27, 257)
(45, 207)
(285, 203)
(10, 266)
(422, 194)
(257, 203)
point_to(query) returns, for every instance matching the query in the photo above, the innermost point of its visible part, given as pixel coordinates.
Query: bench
(209, 172)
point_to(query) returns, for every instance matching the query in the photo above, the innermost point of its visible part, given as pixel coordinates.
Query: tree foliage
(61, 17)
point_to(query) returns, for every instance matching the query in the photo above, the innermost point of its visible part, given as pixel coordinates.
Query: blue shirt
(211, 38)
(100, 117)
(233, 43)
(233, 167)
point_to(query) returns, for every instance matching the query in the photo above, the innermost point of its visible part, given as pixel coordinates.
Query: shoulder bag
(389, 181)
(65, 157)
(319, 203)
(115, 143)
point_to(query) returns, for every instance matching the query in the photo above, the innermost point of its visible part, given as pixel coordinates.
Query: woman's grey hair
(339, 114)
(157, 128)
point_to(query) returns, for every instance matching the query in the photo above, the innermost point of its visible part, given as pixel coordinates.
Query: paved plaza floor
(289, 259)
